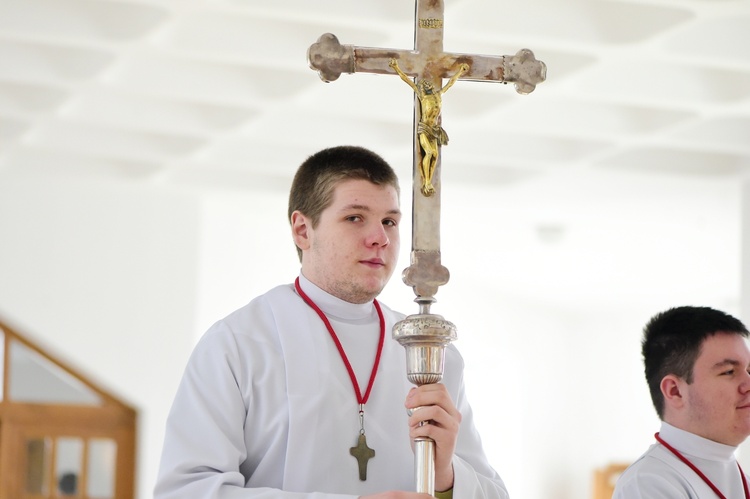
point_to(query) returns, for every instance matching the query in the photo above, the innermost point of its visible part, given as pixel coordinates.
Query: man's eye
(389, 222)
(354, 218)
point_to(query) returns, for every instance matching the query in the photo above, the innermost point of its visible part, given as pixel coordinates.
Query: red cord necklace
(699, 472)
(360, 451)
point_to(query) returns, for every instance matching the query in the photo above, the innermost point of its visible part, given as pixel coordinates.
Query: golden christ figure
(431, 134)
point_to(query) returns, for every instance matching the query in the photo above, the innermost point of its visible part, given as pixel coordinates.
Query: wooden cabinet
(61, 435)
(605, 479)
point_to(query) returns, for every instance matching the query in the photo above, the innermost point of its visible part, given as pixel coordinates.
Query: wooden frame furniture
(61, 435)
(605, 478)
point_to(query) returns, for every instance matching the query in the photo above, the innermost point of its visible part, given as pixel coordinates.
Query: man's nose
(745, 382)
(378, 236)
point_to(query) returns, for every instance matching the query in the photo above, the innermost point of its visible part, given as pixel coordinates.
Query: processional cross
(425, 335)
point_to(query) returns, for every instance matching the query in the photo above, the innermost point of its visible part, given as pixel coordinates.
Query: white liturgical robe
(659, 474)
(266, 408)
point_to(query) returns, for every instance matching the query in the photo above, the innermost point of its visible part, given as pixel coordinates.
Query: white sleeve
(204, 445)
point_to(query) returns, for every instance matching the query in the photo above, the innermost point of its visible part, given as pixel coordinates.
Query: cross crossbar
(330, 58)
(428, 64)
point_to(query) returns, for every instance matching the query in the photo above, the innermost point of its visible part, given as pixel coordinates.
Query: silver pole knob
(424, 336)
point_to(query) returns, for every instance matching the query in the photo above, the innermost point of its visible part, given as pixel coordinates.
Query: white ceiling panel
(110, 107)
(579, 21)
(80, 20)
(211, 94)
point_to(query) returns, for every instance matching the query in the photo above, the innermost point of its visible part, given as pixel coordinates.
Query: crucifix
(425, 335)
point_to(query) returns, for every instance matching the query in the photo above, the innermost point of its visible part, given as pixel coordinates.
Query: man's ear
(300, 230)
(672, 388)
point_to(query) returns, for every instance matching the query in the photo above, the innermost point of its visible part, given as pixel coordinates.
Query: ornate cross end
(524, 70)
(329, 58)
(425, 274)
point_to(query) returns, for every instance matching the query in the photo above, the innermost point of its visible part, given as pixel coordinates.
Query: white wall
(105, 277)
(553, 324)
(744, 454)
(549, 298)
(245, 249)
(745, 248)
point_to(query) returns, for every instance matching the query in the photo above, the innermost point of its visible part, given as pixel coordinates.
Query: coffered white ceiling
(217, 94)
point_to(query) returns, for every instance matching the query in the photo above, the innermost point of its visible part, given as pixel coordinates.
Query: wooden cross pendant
(363, 454)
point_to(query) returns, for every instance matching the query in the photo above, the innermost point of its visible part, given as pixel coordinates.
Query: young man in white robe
(278, 397)
(697, 364)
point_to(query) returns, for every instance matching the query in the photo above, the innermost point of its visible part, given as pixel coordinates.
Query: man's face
(352, 252)
(718, 399)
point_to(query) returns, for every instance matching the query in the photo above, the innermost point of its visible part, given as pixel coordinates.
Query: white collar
(694, 445)
(336, 308)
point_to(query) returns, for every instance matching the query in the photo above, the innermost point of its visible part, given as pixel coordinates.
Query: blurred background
(147, 148)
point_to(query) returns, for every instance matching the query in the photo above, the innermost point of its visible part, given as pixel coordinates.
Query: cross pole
(427, 62)
(424, 335)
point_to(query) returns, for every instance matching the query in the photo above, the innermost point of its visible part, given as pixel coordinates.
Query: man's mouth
(374, 262)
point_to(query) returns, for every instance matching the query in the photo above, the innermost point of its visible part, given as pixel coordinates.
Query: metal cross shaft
(426, 62)
(425, 335)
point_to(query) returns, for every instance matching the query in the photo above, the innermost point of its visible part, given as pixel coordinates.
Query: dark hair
(316, 178)
(672, 341)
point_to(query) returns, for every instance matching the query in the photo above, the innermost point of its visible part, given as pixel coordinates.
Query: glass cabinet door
(68, 466)
(39, 452)
(55, 468)
(102, 465)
